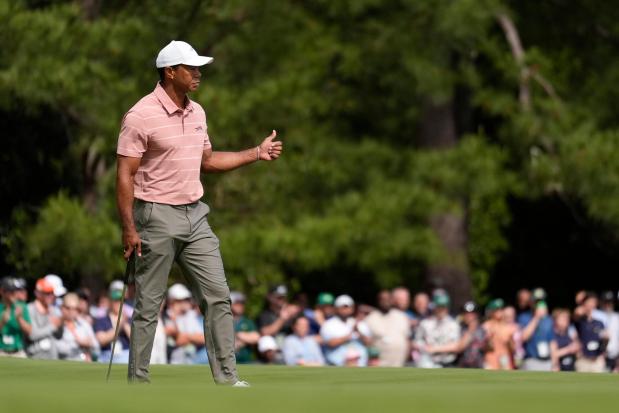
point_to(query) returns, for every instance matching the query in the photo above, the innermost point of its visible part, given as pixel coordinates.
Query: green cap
(441, 300)
(116, 295)
(325, 299)
(495, 304)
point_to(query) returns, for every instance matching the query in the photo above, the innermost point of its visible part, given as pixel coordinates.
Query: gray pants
(180, 233)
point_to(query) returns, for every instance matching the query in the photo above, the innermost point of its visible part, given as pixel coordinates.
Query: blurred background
(470, 145)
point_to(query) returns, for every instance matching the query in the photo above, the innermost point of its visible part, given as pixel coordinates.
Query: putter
(128, 270)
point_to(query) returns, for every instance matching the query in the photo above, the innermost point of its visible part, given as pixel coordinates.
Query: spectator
(500, 355)
(102, 306)
(564, 346)
(84, 305)
(268, 351)
(612, 349)
(537, 332)
(322, 312)
(592, 336)
(247, 335)
(438, 330)
(105, 328)
(183, 328)
(14, 320)
(509, 315)
(59, 288)
(21, 292)
(473, 342)
(523, 301)
(301, 349)
(389, 331)
(277, 316)
(402, 301)
(580, 310)
(45, 323)
(159, 353)
(77, 341)
(344, 337)
(421, 306)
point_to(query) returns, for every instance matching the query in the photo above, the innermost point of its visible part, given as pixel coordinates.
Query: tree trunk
(438, 131)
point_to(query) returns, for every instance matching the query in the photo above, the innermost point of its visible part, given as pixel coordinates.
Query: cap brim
(198, 61)
(60, 291)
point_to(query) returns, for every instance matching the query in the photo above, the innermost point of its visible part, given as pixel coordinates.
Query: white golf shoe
(241, 383)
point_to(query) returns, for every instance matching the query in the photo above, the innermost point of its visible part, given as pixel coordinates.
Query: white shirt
(335, 327)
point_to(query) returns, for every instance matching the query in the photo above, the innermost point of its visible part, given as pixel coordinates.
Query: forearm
(25, 326)
(124, 200)
(529, 329)
(273, 328)
(227, 161)
(38, 333)
(248, 337)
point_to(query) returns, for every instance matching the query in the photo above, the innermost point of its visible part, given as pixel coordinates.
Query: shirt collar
(168, 103)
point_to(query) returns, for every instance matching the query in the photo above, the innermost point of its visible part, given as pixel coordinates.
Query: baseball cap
(344, 301)
(56, 282)
(469, 307)
(266, 343)
(441, 300)
(8, 283)
(539, 294)
(178, 52)
(280, 290)
(20, 283)
(495, 304)
(178, 292)
(116, 285)
(44, 286)
(237, 297)
(325, 299)
(607, 296)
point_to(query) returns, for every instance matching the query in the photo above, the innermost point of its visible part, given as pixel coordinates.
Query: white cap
(56, 282)
(178, 292)
(344, 301)
(178, 52)
(116, 285)
(237, 297)
(267, 343)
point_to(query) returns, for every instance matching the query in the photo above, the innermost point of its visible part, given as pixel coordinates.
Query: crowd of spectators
(422, 332)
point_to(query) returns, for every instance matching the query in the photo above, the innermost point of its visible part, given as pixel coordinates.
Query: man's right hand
(131, 242)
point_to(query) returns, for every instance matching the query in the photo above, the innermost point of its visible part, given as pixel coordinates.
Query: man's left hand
(269, 149)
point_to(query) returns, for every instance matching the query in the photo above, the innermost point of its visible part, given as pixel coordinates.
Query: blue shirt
(567, 362)
(296, 349)
(538, 345)
(589, 332)
(105, 324)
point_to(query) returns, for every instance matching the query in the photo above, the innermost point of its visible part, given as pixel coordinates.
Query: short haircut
(161, 71)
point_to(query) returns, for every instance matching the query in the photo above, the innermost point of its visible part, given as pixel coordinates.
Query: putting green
(33, 386)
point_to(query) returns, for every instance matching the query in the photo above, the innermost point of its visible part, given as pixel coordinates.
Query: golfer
(162, 147)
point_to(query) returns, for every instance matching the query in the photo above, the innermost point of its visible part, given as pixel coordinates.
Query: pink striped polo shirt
(170, 142)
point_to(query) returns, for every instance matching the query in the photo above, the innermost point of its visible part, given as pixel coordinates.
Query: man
(440, 329)
(402, 301)
(245, 330)
(593, 337)
(105, 329)
(182, 327)
(323, 310)
(500, 333)
(607, 304)
(421, 306)
(162, 147)
(390, 332)
(344, 337)
(523, 300)
(77, 340)
(537, 333)
(14, 320)
(45, 322)
(276, 318)
(301, 349)
(473, 343)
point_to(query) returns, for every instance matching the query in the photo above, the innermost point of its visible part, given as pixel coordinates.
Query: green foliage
(67, 240)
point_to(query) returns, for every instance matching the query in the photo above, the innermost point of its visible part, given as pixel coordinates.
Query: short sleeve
(133, 137)
(26, 313)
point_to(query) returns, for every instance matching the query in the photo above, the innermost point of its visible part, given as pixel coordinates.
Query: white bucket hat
(178, 52)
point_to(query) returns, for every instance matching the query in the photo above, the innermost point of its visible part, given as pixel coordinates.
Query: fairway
(31, 386)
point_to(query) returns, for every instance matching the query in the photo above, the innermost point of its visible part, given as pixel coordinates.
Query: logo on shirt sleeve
(198, 129)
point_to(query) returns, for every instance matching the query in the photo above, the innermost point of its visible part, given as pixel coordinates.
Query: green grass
(50, 387)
